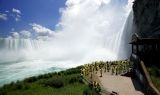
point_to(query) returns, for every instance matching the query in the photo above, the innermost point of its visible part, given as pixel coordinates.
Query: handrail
(102, 90)
(149, 79)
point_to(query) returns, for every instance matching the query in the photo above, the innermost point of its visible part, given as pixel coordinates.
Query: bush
(80, 80)
(11, 84)
(73, 70)
(3, 92)
(154, 73)
(74, 78)
(87, 91)
(46, 76)
(57, 82)
(27, 87)
(19, 86)
(31, 79)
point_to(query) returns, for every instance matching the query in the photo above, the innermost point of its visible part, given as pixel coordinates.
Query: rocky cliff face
(147, 18)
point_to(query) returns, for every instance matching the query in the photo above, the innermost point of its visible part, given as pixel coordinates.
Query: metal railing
(103, 91)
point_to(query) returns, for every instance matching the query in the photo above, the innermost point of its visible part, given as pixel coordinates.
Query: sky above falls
(45, 19)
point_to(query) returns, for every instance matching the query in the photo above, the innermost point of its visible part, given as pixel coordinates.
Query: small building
(145, 52)
(138, 45)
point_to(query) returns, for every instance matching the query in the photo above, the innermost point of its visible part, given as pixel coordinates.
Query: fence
(143, 76)
(104, 91)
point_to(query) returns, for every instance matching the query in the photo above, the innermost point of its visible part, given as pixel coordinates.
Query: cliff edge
(147, 18)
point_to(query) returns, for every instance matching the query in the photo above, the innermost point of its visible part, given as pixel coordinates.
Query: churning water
(21, 58)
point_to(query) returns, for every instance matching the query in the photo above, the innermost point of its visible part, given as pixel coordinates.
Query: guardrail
(103, 91)
(143, 76)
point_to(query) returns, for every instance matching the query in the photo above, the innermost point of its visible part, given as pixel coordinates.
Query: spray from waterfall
(69, 48)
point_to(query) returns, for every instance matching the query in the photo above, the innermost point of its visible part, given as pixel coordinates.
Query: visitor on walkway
(101, 70)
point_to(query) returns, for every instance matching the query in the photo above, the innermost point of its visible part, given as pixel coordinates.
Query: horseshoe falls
(21, 58)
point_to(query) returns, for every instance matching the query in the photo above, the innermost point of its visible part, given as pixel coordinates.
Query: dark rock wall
(147, 17)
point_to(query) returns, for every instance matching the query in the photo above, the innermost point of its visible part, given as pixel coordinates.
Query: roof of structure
(137, 41)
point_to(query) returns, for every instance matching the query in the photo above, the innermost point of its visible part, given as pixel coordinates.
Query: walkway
(121, 84)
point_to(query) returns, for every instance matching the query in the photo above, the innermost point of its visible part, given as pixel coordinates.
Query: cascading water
(20, 58)
(19, 44)
(119, 43)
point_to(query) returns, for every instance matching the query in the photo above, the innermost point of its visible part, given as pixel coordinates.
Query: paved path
(121, 84)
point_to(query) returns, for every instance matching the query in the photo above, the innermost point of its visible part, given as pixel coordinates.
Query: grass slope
(68, 82)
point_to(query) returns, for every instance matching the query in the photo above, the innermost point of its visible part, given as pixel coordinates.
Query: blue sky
(43, 12)
(38, 19)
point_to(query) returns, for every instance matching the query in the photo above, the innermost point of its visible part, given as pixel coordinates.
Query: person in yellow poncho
(95, 84)
(101, 70)
(112, 68)
(91, 74)
(93, 68)
(98, 88)
(116, 68)
(84, 72)
(105, 67)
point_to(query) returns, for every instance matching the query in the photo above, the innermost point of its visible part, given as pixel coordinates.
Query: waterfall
(119, 43)
(20, 58)
(20, 44)
(94, 48)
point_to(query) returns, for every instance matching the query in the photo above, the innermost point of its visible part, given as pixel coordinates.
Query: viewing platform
(116, 84)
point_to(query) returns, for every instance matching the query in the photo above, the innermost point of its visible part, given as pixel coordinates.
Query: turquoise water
(18, 70)
(65, 50)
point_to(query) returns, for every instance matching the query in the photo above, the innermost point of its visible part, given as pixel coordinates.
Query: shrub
(27, 87)
(19, 86)
(3, 92)
(11, 84)
(73, 79)
(87, 91)
(154, 73)
(18, 81)
(57, 82)
(31, 79)
(80, 80)
(45, 76)
(40, 76)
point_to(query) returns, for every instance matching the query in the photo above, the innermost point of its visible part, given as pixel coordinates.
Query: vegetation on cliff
(67, 82)
(154, 73)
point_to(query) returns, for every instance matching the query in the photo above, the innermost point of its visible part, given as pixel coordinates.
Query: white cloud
(16, 11)
(18, 16)
(105, 1)
(15, 34)
(96, 16)
(41, 31)
(12, 29)
(105, 24)
(77, 2)
(3, 16)
(12, 15)
(17, 19)
(9, 37)
(128, 7)
(7, 11)
(25, 34)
